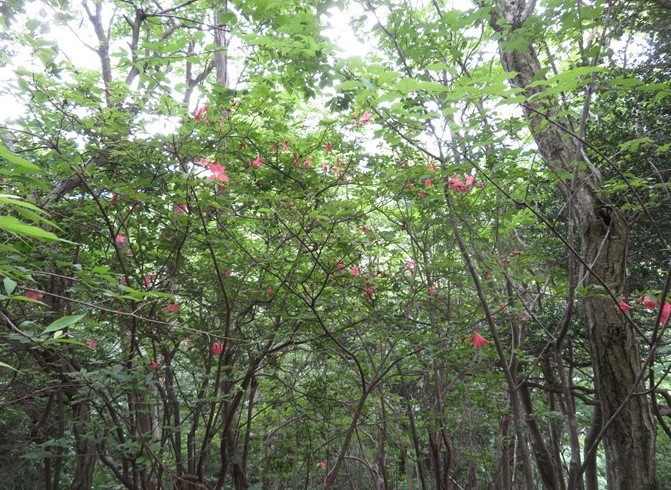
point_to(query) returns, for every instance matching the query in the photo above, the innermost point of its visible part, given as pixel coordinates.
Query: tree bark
(630, 436)
(85, 447)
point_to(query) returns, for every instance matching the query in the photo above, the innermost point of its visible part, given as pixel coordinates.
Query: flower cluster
(478, 340)
(457, 185)
(649, 304)
(200, 115)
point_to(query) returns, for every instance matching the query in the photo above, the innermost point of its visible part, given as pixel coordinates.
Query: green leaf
(5, 365)
(16, 227)
(10, 285)
(19, 164)
(63, 322)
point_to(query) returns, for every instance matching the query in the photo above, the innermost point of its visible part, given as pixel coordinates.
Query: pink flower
(218, 172)
(200, 114)
(218, 348)
(469, 181)
(368, 293)
(478, 340)
(285, 145)
(355, 271)
(308, 161)
(149, 280)
(120, 239)
(432, 290)
(172, 308)
(428, 183)
(432, 167)
(203, 162)
(258, 162)
(329, 147)
(649, 303)
(113, 199)
(340, 266)
(226, 272)
(92, 344)
(34, 296)
(180, 209)
(321, 465)
(666, 312)
(455, 184)
(623, 306)
(410, 264)
(153, 365)
(364, 119)
(269, 291)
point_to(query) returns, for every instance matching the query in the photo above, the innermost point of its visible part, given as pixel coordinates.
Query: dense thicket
(235, 255)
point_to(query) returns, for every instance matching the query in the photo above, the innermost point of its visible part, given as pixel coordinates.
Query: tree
(249, 262)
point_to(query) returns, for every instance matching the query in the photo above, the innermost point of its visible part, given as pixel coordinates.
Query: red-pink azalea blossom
(432, 290)
(410, 264)
(172, 308)
(321, 465)
(428, 183)
(226, 272)
(469, 180)
(478, 340)
(355, 271)
(285, 145)
(432, 167)
(218, 348)
(455, 184)
(180, 209)
(34, 295)
(666, 312)
(649, 303)
(340, 266)
(364, 119)
(329, 147)
(368, 293)
(153, 365)
(200, 114)
(218, 172)
(308, 161)
(269, 291)
(92, 344)
(258, 162)
(623, 306)
(120, 239)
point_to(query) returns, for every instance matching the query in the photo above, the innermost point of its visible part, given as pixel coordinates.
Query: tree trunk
(630, 436)
(85, 447)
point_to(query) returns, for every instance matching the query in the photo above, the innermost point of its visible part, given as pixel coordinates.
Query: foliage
(235, 258)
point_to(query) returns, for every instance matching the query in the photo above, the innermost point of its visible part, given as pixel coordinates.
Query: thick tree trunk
(630, 436)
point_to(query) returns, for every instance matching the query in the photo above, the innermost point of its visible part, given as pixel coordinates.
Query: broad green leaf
(10, 285)
(63, 322)
(18, 164)
(16, 227)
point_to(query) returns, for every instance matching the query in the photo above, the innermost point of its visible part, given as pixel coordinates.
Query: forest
(335, 244)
